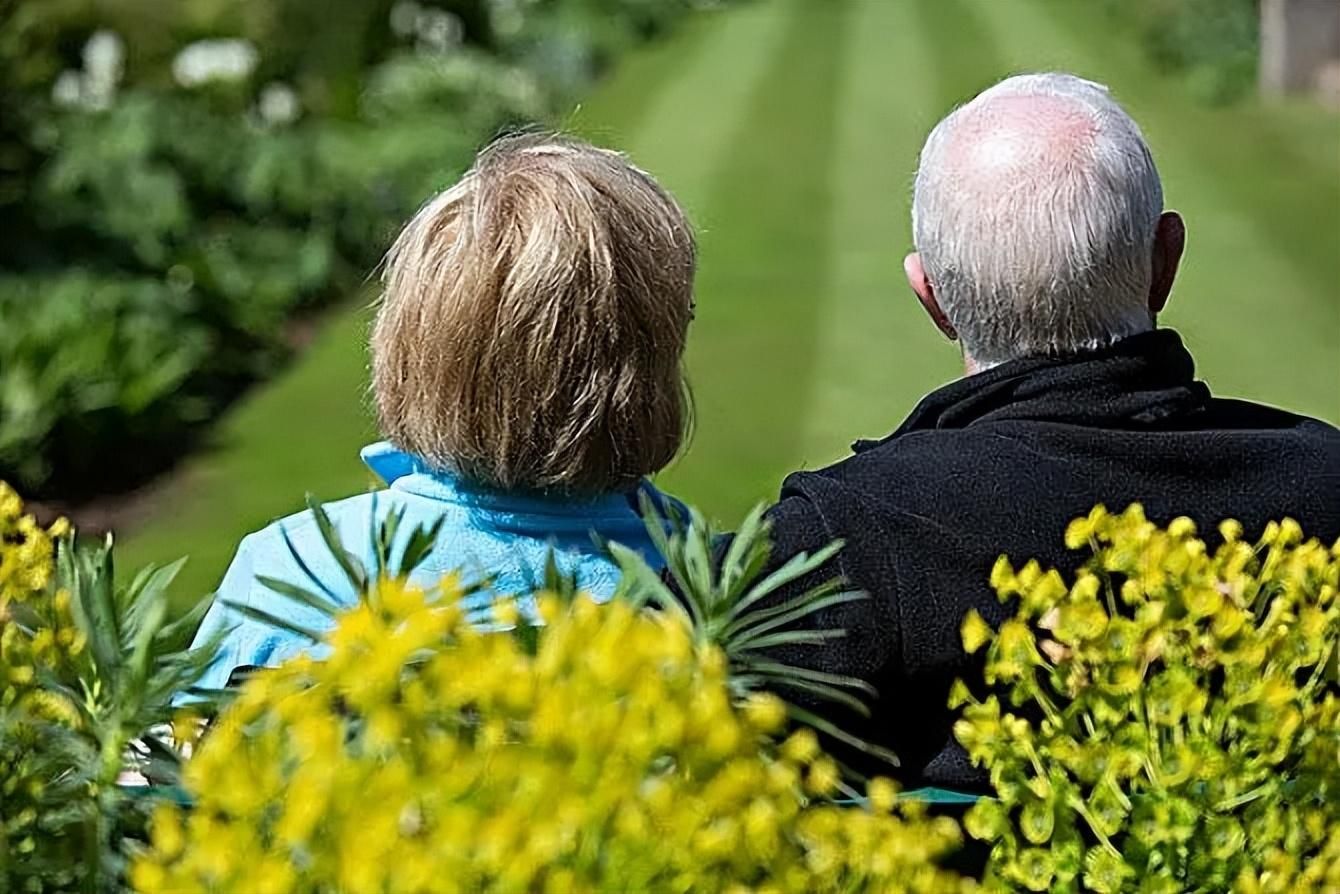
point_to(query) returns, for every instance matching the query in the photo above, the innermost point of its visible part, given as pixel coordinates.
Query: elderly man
(1042, 247)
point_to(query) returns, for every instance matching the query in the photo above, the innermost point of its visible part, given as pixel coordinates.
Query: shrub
(596, 747)
(1179, 720)
(603, 753)
(1213, 45)
(87, 671)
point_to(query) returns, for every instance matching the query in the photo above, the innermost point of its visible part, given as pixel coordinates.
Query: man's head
(1039, 222)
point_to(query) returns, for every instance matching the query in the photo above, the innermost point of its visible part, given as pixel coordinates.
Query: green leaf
(417, 548)
(831, 730)
(147, 589)
(178, 632)
(299, 595)
(302, 564)
(88, 579)
(786, 638)
(763, 620)
(778, 669)
(640, 584)
(140, 655)
(348, 562)
(260, 614)
(793, 569)
(747, 553)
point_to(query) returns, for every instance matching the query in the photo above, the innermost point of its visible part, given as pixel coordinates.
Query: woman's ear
(916, 278)
(1169, 243)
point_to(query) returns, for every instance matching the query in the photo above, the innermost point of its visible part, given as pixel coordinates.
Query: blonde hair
(532, 327)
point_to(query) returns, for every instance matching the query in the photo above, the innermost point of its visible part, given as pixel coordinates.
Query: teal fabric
(487, 535)
(940, 796)
(925, 795)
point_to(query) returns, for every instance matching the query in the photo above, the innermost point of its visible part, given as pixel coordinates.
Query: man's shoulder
(900, 464)
(1236, 414)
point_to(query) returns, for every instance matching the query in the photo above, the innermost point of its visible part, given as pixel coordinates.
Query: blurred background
(193, 196)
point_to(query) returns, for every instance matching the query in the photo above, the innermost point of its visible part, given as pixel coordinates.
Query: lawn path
(762, 286)
(879, 353)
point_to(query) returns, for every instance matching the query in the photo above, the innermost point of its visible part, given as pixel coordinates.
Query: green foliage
(1180, 717)
(88, 668)
(90, 361)
(728, 602)
(1213, 44)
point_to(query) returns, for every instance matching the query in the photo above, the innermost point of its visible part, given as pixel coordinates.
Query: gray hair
(1034, 213)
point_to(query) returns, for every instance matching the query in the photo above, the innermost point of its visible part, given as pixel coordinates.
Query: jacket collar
(1130, 384)
(406, 472)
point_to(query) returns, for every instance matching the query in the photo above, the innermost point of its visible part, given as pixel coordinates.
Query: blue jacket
(486, 535)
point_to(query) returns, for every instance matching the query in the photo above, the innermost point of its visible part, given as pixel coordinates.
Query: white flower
(403, 16)
(438, 31)
(94, 86)
(278, 104)
(68, 89)
(507, 17)
(223, 59)
(104, 61)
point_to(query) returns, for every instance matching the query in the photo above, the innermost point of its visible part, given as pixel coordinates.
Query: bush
(616, 747)
(1213, 45)
(87, 671)
(1175, 728)
(601, 753)
(1180, 720)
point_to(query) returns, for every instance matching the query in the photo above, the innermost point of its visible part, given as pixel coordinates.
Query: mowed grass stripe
(682, 131)
(1258, 298)
(762, 287)
(301, 432)
(879, 354)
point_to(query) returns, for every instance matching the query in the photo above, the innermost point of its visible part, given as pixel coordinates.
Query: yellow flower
(975, 631)
(1181, 528)
(465, 763)
(802, 746)
(883, 794)
(765, 711)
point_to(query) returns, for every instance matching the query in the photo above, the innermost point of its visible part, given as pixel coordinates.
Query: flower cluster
(37, 637)
(37, 633)
(602, 752)
(1179, 722)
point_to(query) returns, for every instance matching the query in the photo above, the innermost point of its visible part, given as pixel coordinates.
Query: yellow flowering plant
(600, 748)
(1166, 721)
(88, 669)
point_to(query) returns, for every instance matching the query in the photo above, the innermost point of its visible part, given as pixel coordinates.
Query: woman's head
(533, 323)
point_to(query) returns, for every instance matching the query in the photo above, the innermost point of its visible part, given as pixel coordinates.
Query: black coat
(1000, 462)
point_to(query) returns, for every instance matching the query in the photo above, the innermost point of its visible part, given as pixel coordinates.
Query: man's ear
(1169, 243)
(916, 278)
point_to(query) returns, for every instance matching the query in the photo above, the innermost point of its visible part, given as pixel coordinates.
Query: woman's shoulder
(295, 548)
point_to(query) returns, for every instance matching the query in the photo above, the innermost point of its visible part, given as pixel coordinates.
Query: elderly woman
(526, 366)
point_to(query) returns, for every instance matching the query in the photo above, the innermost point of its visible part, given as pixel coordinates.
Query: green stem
(1082, 809)
(1247, 796)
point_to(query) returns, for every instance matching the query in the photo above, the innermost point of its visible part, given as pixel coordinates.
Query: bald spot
(1013, 140)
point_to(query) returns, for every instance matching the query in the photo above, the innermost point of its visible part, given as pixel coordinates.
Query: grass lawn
(790, 129)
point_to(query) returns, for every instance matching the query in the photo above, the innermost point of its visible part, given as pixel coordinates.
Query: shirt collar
(406, 472)
(1134, 382)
